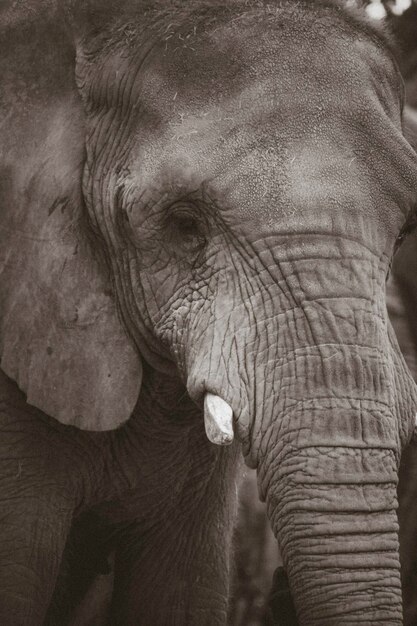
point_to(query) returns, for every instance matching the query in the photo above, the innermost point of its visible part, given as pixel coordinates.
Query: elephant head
(217, 189)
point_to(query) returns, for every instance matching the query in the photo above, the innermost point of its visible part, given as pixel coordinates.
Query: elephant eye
(187, 226)
(187, 230)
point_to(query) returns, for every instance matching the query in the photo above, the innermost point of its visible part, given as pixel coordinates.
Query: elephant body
(200, 202)
(131, 495)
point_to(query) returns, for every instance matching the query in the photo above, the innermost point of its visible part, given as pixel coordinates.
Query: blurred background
(256, 558)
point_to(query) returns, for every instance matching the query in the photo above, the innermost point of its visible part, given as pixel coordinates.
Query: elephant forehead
(288, 170)
(252, 152)
(281, 56)
(268, 118)
(246, 95)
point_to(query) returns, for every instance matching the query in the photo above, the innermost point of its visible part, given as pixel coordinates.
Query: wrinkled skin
(244, 182)
(402, 306)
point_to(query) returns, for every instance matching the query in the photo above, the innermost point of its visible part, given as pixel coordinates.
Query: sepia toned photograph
(208, 313)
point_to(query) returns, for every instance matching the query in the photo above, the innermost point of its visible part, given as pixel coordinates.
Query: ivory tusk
(218, 420)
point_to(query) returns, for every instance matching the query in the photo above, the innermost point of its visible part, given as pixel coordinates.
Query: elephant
(200, 202)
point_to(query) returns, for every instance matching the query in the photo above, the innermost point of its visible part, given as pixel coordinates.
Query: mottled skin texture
(244, 182)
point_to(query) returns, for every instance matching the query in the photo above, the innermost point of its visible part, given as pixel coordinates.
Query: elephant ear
(61, 339)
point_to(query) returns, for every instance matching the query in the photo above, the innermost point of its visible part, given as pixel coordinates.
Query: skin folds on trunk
(330, 478)
(333, 510)
(330, 484)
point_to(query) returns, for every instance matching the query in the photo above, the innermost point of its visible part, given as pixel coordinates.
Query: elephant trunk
(328, 459)
(333, 510)
(329, 477)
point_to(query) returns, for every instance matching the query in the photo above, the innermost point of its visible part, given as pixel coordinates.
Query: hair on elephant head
(217, 189)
